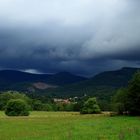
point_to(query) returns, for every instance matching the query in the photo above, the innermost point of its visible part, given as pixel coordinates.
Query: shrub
(17, 107)
(6, 96)
(90, 107)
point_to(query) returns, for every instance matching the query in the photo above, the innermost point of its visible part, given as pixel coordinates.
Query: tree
(90, 107)
(134, 95)
(17, 107)
(120, 101)
(128, 100)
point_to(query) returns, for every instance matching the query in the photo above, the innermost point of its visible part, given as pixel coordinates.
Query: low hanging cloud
(80, 36)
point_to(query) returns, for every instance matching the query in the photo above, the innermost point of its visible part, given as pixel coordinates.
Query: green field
(68, 126)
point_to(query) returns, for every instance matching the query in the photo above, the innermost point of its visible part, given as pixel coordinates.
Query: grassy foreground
(68, 126)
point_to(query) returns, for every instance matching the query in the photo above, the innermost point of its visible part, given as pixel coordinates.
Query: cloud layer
(80, 36)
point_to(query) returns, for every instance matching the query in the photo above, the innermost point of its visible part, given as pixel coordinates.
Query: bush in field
(6, 96)
(17, 107)
(90, 107)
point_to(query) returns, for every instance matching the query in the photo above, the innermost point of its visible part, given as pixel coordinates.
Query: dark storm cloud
(80, 36)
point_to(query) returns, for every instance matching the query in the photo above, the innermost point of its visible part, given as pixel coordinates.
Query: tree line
(19, 104)
(125, 102)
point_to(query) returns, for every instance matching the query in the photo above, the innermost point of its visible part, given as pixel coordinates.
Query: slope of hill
(116, 78)
(11, 79)
(103, 85)
(65, 84)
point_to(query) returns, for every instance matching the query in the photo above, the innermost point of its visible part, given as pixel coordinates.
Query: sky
(83, 37)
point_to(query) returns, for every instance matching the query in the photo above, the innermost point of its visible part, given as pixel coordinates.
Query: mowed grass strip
(68, 126)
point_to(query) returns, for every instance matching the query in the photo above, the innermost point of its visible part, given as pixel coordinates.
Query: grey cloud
(81, 36)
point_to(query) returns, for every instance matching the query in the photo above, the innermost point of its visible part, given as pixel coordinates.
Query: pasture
(69, 126)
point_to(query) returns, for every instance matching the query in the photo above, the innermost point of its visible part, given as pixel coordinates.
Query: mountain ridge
(102, 85)
(11, 77)
(65, 84)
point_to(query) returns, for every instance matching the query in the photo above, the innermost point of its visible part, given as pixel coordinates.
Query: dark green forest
(114, 91)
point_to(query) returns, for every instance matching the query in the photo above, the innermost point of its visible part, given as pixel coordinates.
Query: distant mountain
(102, 85)
(117, 78)
(17, 79)
(65, 84)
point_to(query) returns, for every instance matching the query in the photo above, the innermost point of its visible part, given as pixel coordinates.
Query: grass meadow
(69, 126)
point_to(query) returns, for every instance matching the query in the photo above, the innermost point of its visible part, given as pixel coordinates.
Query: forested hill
(103, 85)
(116, 78)
(12, 78)
(65, 84)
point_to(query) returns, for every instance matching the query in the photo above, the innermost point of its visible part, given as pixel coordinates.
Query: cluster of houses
(65, 101)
